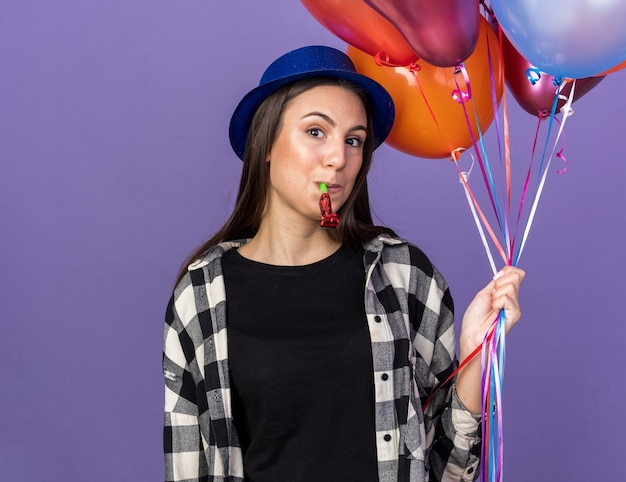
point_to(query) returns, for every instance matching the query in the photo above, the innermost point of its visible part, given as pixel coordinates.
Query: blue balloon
(566, 38)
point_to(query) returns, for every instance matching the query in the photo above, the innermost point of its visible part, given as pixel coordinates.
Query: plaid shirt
(410, 318)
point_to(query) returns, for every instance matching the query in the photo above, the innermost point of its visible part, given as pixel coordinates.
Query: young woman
(297, 352)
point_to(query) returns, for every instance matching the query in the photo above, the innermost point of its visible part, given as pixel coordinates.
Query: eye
(315, 132)
(354, 141)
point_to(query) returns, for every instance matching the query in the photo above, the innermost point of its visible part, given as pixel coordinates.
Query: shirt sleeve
(455, 453)
(452, 432)
(183, 443)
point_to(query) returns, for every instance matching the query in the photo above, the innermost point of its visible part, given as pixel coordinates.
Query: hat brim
(383, 110)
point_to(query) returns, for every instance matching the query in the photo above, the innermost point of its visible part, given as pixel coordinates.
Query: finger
(510, 305)
(510, 274)
(507, 284)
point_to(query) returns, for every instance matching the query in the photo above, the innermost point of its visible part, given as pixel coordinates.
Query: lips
(334, 189)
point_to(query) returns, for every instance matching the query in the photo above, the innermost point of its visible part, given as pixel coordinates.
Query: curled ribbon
(562, 157)
(533, 74)
(462, 96)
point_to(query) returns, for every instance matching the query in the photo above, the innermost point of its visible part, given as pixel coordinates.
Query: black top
(301, 369)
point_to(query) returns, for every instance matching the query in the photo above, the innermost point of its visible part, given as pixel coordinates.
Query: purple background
(115, 163)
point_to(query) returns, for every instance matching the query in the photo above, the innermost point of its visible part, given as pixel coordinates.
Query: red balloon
(356, 23)
(538, 98)
(442, 32)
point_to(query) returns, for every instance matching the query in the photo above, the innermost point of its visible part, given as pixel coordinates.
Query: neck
(293, 246)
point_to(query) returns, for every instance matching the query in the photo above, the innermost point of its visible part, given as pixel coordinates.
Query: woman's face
(321, 139)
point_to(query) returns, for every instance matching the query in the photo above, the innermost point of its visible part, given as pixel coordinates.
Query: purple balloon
(442, 32)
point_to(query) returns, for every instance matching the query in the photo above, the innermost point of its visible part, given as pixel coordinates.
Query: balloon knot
(414, 67)
(459, 95)
(382, 59)
(455, 155)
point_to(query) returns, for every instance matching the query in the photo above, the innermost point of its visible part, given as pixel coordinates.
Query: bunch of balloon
(438, 109)
(445, 66)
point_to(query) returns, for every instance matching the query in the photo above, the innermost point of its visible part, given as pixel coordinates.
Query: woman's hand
(502, 292)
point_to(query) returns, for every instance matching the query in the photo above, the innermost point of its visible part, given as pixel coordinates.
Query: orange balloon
(429, 122)
(358, 24)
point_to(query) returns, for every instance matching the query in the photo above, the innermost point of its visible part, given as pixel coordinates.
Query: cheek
(284, 174)
(354, 170)
(353, 175)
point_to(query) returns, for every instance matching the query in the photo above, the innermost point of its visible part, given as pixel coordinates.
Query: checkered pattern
(410, 318)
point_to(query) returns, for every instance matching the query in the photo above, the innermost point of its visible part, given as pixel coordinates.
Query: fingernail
(498, 275)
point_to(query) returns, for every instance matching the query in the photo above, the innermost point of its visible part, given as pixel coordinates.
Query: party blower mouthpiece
(329, 218)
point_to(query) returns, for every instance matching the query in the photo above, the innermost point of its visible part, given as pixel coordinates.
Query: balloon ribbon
(493, 346)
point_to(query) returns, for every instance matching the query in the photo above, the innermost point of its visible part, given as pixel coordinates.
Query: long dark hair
(356, 224)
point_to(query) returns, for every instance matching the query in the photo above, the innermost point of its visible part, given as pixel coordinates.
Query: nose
(336, 155)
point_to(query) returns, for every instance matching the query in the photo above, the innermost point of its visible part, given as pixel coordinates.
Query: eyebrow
(331, 121)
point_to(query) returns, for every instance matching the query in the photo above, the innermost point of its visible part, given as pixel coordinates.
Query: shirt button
(377, 319)
(470, 470)
(384, 376)
(387, 437)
